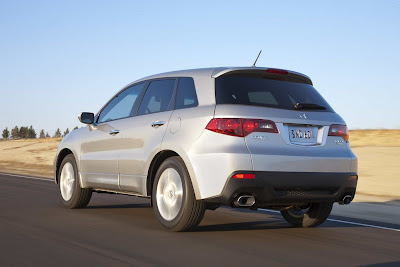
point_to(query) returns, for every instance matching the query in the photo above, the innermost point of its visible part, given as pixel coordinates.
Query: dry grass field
(374, 138)
(378, 152)
(29, 156)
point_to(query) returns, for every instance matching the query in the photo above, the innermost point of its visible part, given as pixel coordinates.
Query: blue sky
(58, 58)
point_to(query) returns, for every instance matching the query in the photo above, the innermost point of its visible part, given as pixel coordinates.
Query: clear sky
(58, 58)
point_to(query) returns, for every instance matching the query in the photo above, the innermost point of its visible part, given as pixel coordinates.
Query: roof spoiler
(276, 74)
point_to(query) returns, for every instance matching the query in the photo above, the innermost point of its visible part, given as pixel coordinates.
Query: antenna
(257, 59)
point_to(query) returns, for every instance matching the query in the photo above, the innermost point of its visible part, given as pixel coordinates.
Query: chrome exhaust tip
(346, 200)
(244, 201)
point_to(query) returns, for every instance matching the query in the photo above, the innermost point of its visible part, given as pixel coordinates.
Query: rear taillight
(241, 127)
(339, 130)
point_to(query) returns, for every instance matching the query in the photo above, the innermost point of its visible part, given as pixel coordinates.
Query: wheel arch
(158, 159)
(60, 157)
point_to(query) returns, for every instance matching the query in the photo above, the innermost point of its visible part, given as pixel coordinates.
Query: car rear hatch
(294, 134)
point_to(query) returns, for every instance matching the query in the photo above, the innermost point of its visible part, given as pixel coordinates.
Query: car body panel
(184, 129)
(71, 142)
(214, 158)
(140, 142)
(99, 155)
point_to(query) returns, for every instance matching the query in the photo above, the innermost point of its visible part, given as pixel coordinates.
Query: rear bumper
(288, 188)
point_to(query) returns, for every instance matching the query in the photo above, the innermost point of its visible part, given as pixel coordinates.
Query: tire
(173, 199)
(315, 215)
(72, 195)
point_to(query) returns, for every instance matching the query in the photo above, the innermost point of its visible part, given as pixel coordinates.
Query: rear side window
(122, 104)
(157, 97)
(240, 90)
(186, 96)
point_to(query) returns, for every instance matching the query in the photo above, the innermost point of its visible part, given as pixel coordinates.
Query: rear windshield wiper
(308, 106)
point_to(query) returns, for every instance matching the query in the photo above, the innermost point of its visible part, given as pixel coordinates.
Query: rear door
(142, 134)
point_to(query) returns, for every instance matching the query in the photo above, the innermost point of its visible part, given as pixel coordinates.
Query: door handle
(157, 124)
(114, 132)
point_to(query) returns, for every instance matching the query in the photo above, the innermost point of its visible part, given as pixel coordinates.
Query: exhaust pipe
(244, 201)
(346, 200)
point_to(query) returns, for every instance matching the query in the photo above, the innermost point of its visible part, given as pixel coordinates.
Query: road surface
(118, 230)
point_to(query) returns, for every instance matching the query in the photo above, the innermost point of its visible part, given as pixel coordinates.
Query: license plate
(303, 134)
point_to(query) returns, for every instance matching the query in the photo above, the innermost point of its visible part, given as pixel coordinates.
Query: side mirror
(86, 117)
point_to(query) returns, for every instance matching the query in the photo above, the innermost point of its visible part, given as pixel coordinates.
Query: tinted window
(252, 91)
(157, 97)
(186, 96)
(121, 106)
(262, 98)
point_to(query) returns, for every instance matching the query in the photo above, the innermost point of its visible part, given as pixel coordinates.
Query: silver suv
(192, 140)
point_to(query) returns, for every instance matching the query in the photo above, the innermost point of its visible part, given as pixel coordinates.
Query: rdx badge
(259, 137)
(339, 142)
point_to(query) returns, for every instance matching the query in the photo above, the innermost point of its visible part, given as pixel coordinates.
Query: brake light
(241, 127)
(244, 176)
(277, 71)
(339, 130)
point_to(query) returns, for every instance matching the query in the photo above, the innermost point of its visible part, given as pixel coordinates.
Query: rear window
(239, 90)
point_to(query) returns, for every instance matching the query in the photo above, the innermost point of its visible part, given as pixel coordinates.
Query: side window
(157, 96)
(186, 96)
(121, 106)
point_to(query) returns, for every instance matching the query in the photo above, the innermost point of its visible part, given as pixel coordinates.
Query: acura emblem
(303, 115)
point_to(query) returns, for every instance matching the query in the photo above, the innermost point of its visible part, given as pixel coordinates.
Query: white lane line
(27, 177)
(366, 225)
(347, 222)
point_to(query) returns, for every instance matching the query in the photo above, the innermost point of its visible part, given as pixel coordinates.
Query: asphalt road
(122, 230)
